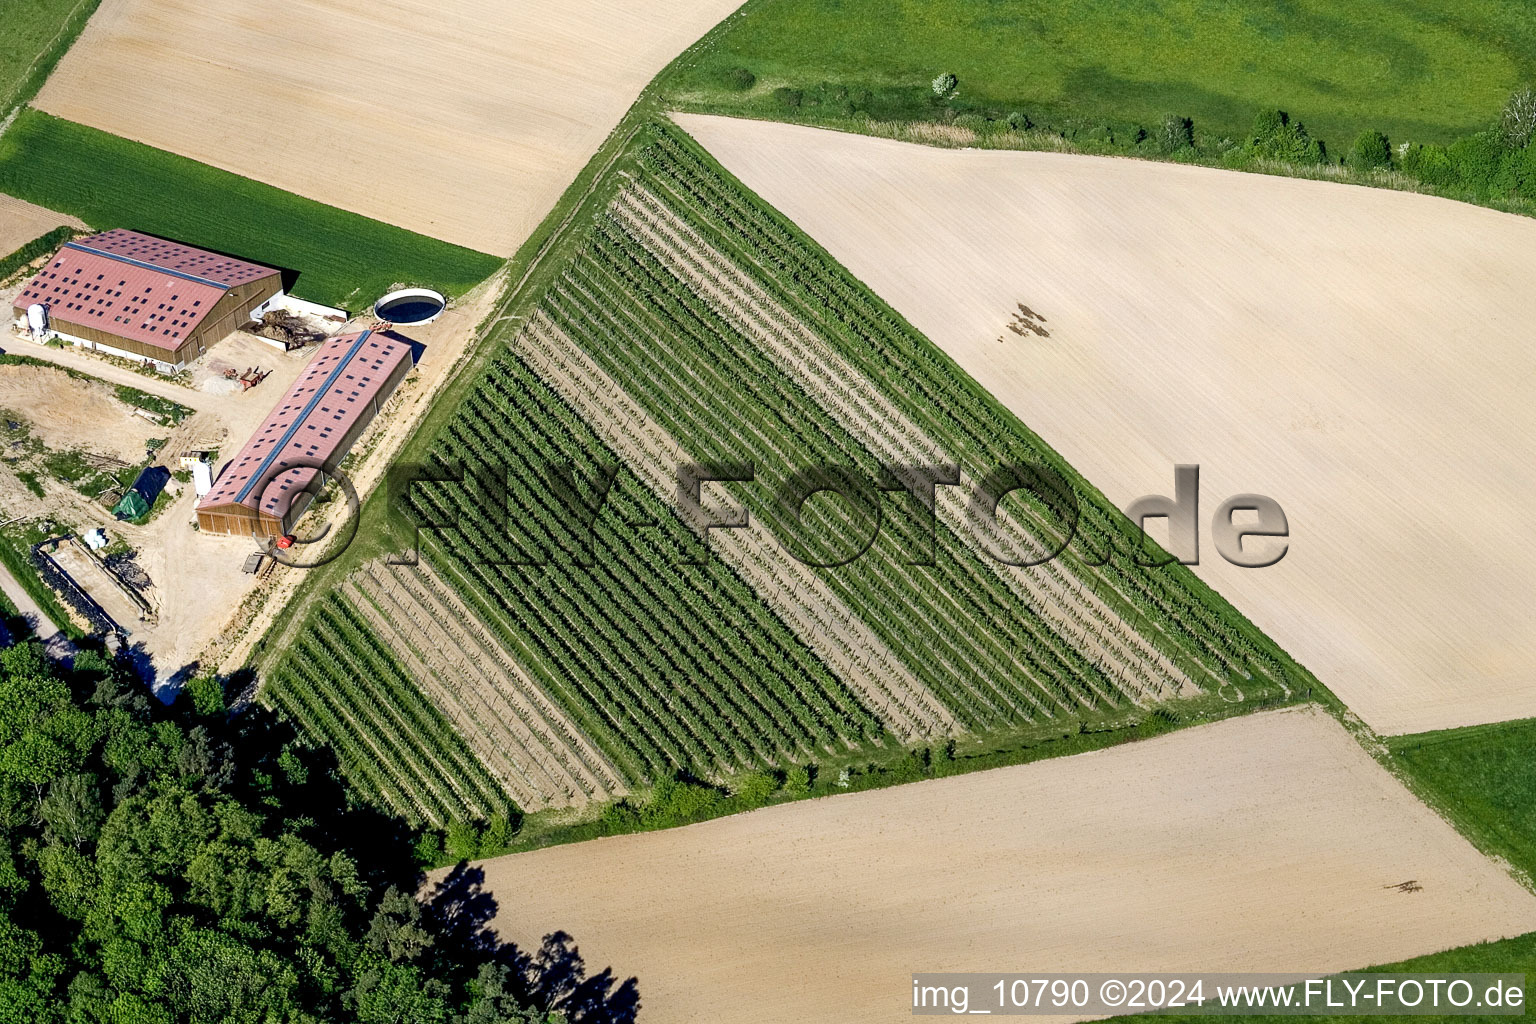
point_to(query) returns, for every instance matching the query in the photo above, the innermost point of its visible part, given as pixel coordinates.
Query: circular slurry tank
(410, 306)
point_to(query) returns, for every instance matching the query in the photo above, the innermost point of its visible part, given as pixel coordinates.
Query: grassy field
(37, 34)
(341, 258)
(1426, 72)
(727, 668)
(1484, 777)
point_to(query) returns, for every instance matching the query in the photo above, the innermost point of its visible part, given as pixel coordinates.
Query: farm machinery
(249, 379)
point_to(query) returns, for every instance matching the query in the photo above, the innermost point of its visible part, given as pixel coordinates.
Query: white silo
(202, 478)
(37, 321)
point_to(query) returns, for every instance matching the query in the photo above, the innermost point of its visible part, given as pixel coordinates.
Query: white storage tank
(37, 321)
(202, 478)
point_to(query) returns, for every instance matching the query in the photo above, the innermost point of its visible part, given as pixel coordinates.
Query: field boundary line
(44, 56)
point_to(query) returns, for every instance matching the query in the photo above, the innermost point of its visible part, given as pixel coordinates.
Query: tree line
(167, 864)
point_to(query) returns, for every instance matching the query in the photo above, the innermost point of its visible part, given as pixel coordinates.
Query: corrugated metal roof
(138, 287)
(308, 423)
(174, 256)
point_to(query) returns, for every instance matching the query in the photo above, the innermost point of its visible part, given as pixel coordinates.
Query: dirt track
(1269, 842)
(1362, 356)
(463, 120)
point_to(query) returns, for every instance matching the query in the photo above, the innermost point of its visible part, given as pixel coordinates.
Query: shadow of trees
(553, 978)
(459, 909)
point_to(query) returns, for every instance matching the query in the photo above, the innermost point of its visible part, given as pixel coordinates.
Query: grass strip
(340, 258)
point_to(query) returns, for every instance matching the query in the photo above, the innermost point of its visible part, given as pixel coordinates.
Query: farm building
(143, 297)
(267, 486)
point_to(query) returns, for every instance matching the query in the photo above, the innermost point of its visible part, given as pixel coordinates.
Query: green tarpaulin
(131, 506)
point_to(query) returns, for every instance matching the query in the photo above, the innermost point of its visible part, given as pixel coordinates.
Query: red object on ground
(285, 541)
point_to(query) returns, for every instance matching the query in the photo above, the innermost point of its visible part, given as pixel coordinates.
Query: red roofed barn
(143, 297)
(267, 486)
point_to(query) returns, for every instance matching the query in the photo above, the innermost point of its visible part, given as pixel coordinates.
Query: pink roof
(307, 425)
(137, 286)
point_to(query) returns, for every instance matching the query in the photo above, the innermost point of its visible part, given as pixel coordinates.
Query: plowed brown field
(461, 119)
(1270, 842)
(20, 222)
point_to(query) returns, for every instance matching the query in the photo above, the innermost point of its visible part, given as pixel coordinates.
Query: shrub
(971, 122)
(945, 84)
(832, 96)
(1428, 163)
(619, 817)
(754, 788)
(1517, 122)
(1100, 134)
(1524, 163)
(1277, 137)
(427, 850)
(463, 841)
(912, 767)
(1511, 173)
(678, 801)
(788, 97)
(1019, 121)
(1475, 161)
(739, 79)
(1371, 149)
(496, 837)
(294, 770)
(798, 780)
(1175, 133)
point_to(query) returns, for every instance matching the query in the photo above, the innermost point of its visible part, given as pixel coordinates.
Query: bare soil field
(1359, 355)
(65, 413)
(1269, 842)
(20, 222)
(462, 120)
